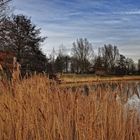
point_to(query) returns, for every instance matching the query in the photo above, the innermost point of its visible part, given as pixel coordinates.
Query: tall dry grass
(33, 109)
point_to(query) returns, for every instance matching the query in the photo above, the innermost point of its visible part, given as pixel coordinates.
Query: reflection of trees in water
(125, 90)
(122, 91)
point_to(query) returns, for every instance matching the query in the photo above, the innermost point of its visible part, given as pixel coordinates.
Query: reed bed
(34, 109)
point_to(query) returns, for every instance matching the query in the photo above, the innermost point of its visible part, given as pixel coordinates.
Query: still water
(128, 93)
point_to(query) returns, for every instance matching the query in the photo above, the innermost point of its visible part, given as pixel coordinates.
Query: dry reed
(33, 109)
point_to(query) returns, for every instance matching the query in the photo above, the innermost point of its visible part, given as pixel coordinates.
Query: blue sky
(101, 21)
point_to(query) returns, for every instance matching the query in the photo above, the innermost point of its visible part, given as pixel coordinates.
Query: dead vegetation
(34, 110)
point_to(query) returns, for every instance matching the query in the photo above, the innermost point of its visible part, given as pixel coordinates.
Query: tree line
(20, 36)
(83, 60)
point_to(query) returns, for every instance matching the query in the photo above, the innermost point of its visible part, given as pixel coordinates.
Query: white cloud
(101, 21)
(132, 12)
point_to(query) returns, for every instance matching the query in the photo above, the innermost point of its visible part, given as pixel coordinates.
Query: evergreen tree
(23, 39)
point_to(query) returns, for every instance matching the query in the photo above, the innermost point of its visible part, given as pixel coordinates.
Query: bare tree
(130, 65)
(82, 52)
(110, 55)
(3, 8)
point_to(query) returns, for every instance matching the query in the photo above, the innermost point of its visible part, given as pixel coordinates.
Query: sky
(115, 22)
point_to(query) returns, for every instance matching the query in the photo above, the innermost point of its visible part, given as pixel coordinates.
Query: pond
(126, 92)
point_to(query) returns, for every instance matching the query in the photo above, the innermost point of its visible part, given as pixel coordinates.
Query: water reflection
(123, 90)
(127, 93)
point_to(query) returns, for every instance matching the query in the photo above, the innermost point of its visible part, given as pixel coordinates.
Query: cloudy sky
(101, 21)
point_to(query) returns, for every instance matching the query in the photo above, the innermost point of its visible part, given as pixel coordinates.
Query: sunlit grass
(71, 78)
